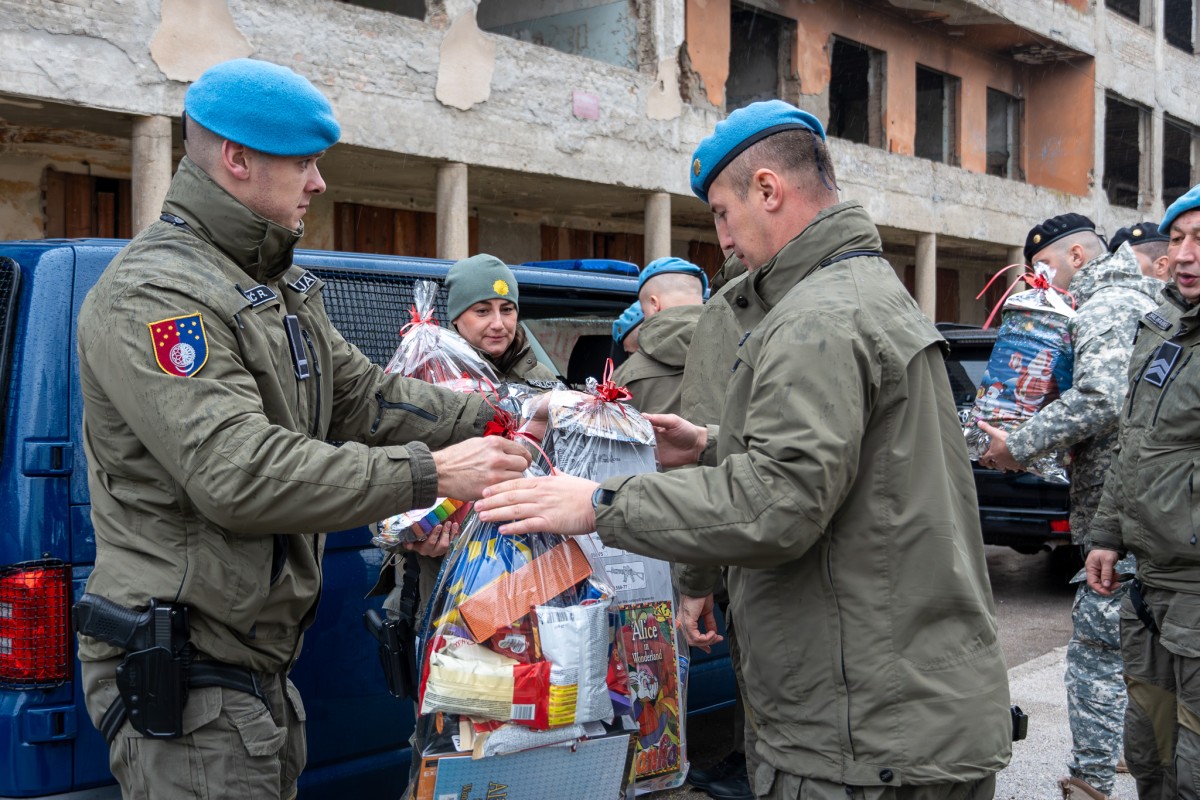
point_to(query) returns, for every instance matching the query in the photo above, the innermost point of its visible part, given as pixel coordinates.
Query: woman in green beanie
(482, 298)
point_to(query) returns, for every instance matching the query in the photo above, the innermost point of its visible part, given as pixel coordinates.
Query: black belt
(201, 674)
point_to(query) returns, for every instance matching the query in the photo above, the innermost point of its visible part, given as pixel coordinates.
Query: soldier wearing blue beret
(836, 487)
(212, 379)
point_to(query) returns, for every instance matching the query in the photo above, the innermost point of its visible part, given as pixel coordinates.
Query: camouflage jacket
(1110, 295)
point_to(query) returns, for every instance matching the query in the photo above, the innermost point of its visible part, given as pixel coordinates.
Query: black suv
(1016, 509)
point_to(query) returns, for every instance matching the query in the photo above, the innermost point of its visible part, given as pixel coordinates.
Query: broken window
(1177, 159)
(1179, 23)
(1123, 138)
(1003, 135)
(760, 46)
(599, 29)
(856, 90)
(1130, 9)
(405, 8)
(937, 116)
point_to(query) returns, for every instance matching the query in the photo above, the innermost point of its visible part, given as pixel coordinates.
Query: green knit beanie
(475, 279)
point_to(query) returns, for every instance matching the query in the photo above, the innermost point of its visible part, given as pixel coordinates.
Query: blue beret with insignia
(1189, 202)
(630, 318)
(1045, 233)
(263, 106)
(661, 266)
(741, 129)
(1137, 234)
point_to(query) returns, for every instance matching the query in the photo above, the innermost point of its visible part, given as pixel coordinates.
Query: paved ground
(1033, 606)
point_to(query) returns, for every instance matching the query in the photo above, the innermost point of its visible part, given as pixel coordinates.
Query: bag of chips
(1031, 365)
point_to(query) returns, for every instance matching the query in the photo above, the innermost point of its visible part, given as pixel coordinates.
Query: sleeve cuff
(695, 581)
(709, 457)
(424, 475)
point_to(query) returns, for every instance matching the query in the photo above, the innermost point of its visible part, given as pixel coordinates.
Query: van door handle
(47, 459)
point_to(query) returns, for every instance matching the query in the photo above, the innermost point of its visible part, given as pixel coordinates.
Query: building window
(1178, 146)
(1179, 23)
(1003, 135)
(1124, 125)
(391, 231)
(856, 92)
(937, 116)
(405, 8)
(84, 205)
(760, 47)
(1130, 9)
(600, 29)
(570, 243)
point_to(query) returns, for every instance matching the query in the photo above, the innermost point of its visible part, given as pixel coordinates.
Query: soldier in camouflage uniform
(1110, 295)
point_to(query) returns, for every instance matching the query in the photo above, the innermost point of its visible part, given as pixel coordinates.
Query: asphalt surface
(1033, 608)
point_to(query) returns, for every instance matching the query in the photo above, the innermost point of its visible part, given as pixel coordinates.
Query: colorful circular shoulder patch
(180, 344)
(500, 287)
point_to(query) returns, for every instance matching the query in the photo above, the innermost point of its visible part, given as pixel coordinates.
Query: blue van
(357, 733)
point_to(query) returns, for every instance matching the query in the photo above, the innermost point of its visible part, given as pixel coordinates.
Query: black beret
(1054, 229)
(1137, 234)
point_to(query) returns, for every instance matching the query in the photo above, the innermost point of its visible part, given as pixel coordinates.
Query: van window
(10, 273)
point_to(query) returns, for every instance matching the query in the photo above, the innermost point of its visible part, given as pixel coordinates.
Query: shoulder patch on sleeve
(1158, 321)
(305, 282)
(180, 344)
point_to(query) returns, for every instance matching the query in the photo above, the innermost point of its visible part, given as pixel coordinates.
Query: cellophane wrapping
(1030, 366)
(437, 355)
(593, 435)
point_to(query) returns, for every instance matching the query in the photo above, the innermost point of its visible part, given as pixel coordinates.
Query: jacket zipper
(841, 649)
(387, 405)
(316, 424)
(1136, 383)
(1163, 393)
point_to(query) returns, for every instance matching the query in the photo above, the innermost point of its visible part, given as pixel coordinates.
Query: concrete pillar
(926, 278)
(1152, 151)
(658, 226)
(1016, 255)
(453, 212)
(151, 169)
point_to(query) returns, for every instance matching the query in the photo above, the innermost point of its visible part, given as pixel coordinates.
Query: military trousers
(1162, 672)
(233, 746)
(745, 739)
(776, 785)
(1094, 680)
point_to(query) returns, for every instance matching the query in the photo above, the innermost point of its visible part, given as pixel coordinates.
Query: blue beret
(263, 106)
(741, 129)
(630, 318)
(1189, 202)
(660, 266)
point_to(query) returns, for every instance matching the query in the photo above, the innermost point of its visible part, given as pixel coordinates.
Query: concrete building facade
(536, 129)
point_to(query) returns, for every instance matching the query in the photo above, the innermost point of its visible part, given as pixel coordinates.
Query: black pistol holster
(397, 637)
(158, 668)
(1141, 607)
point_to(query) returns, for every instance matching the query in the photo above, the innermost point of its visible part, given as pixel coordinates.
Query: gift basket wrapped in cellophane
(522, 680)
(596, 435)
(437, 355)
(1030, 366)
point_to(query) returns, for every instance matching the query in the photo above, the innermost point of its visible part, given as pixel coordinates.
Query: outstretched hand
(679, 442)
(551, 504)
(467, 468)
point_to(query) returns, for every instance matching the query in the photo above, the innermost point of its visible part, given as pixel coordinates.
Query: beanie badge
(500, 287)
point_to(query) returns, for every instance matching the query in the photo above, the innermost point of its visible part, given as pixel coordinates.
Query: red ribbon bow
(609, 391)
(415, 319)
(1033, 279)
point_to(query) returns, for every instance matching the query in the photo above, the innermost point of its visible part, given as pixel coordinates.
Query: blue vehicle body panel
(357, 733)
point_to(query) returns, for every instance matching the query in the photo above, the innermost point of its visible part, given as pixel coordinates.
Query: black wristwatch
(601, 497)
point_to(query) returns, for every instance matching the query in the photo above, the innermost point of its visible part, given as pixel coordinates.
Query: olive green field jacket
(654, 374)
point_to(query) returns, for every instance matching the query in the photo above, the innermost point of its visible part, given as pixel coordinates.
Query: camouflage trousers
(1162, 729)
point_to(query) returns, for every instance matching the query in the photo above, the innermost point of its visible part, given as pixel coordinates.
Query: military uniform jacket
(843, 498)
(1110, 295)
(1149, 505)
(213, 489)
(654, 374)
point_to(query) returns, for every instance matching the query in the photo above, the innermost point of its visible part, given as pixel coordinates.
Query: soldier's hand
(437, 543)
(693, 611)
(1101, 572)
(553, 504)
(465, 469)
(997, 455)
(678, 442)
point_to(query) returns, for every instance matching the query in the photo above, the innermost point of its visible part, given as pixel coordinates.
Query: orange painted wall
(1060, 134)
(905, 45)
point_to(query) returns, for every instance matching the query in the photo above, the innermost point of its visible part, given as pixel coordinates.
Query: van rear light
(1060, 526)
(34, 625)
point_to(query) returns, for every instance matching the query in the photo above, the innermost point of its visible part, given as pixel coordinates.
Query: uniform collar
(263, 249)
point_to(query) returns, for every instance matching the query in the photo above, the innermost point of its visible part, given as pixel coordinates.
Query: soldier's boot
(1078, 789)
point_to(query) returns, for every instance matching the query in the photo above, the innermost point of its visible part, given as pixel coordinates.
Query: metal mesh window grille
(369, 308)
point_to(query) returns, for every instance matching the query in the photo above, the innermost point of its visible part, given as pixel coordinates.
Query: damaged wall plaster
(466, 64)
(663, 100)
(194, 35)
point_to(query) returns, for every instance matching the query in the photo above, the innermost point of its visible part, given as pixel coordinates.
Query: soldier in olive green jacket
(837, 487)
(1149, 508)
(212, 378)
(654, 373)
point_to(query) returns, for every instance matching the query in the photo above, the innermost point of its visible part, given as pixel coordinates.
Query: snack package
(595, 435)
(1030, 366)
